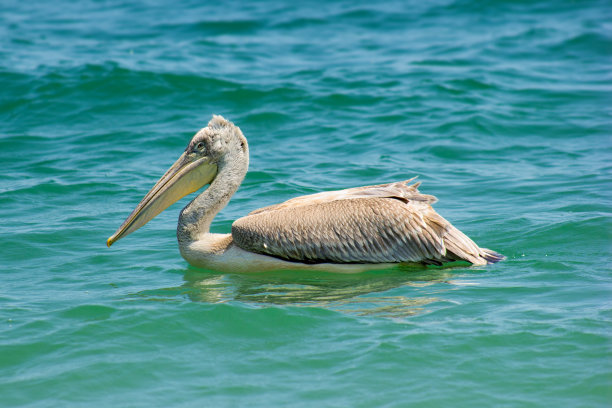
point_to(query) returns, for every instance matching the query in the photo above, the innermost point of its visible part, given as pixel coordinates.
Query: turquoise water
(502, 109)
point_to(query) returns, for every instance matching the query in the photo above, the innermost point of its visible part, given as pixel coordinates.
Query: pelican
(346, 230)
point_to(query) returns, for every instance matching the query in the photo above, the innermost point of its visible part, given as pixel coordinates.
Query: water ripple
(501, 109)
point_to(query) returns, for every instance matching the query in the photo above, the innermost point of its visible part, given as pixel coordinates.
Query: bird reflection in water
(376, 293)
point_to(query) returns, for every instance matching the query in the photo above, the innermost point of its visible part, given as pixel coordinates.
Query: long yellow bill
(184, 177)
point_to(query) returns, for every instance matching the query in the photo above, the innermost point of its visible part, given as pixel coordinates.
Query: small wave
(348, 100)
(213, 27)
(590, 43)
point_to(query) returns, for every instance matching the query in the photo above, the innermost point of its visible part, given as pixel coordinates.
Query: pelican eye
(200, 146)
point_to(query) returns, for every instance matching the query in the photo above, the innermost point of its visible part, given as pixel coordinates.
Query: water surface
(502, 109)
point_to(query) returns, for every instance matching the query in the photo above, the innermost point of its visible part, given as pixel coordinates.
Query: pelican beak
(184, 177)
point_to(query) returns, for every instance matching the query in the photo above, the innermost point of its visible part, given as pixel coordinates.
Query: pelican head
(198, 166)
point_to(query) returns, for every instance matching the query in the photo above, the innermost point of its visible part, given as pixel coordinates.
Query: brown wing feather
(374, 224)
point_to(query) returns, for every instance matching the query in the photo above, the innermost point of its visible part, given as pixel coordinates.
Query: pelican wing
(373, 224)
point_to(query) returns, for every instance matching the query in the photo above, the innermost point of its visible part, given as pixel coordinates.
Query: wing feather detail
(387, 223)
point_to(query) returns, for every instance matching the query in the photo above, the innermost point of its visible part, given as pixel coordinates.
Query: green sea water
(503, 109)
